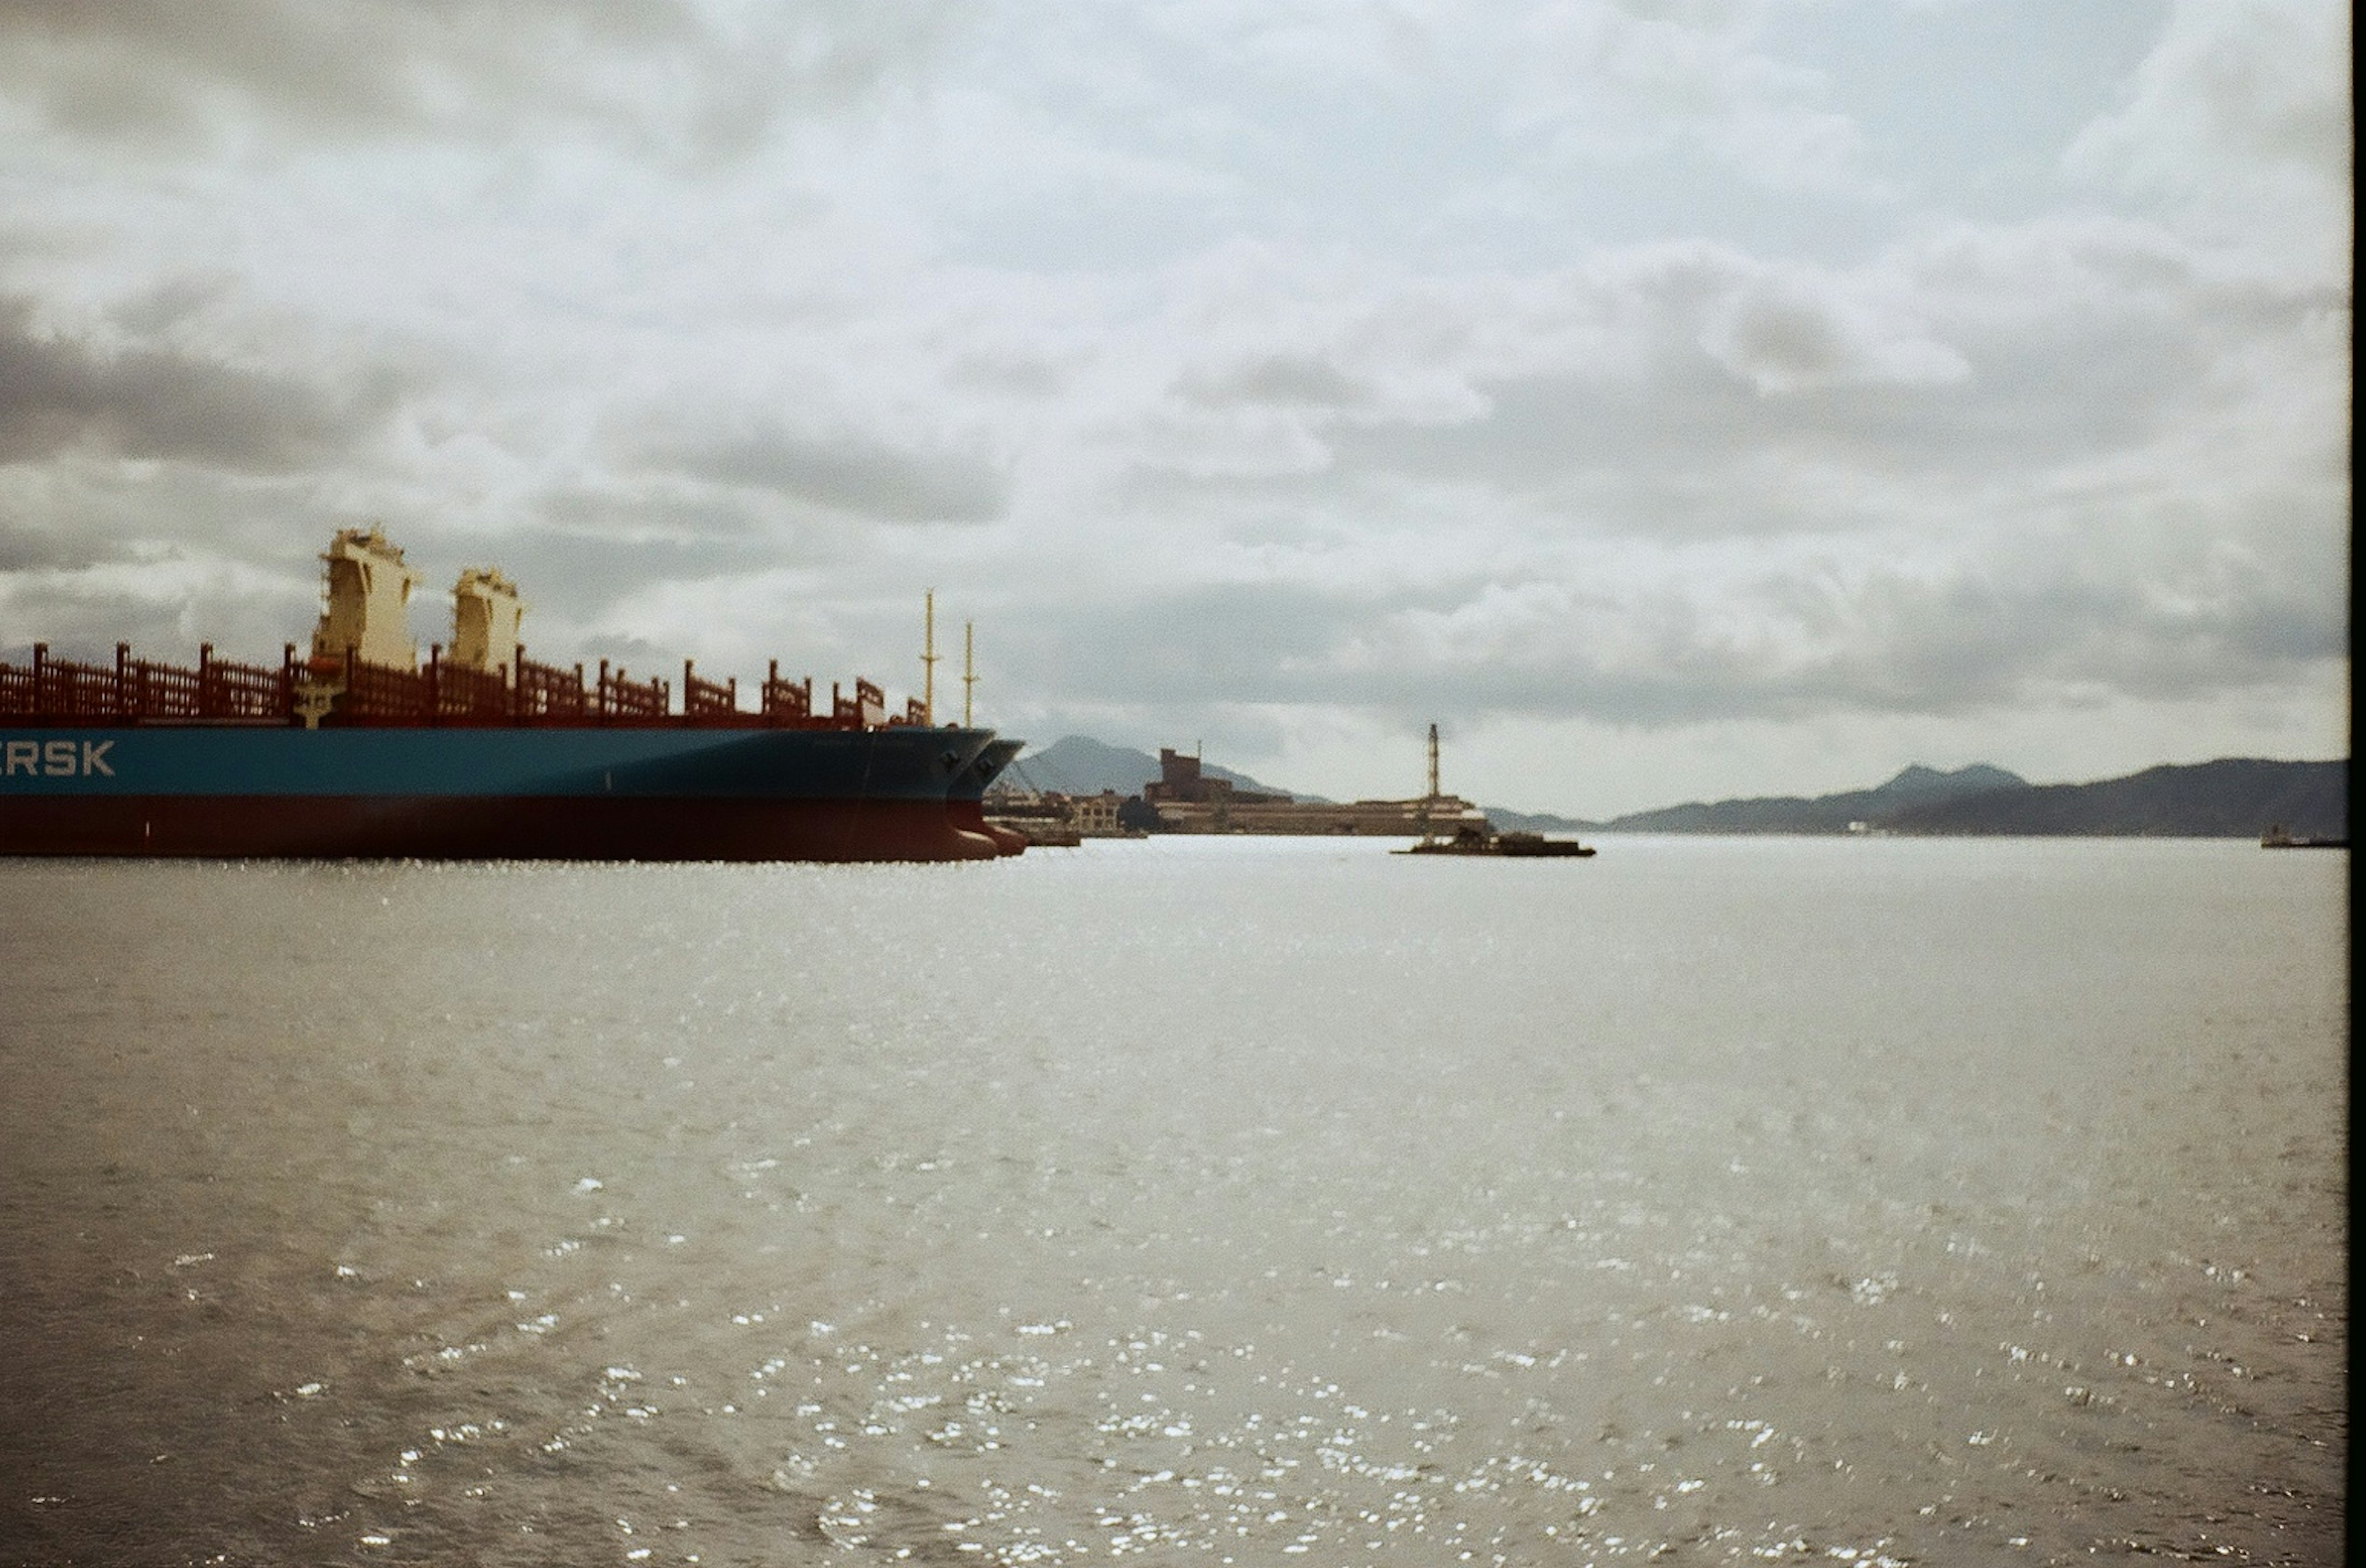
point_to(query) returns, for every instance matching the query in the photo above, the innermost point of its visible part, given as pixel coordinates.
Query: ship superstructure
(366, 601)
(360, 747)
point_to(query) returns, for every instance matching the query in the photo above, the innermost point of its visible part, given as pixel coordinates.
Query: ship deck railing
(439, 694)
(139, 691)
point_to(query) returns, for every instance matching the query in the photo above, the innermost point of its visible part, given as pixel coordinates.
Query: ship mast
(969, 671)
(929, 661)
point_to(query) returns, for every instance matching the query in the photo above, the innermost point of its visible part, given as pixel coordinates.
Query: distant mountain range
(2237, 797)
(1077, 764)
(1880, 806)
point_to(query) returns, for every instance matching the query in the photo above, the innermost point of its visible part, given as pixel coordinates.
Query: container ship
(359, 749)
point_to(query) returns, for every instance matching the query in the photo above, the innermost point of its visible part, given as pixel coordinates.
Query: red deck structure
(58, 692)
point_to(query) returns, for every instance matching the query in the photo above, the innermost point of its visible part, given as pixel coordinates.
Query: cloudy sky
(1671, 398)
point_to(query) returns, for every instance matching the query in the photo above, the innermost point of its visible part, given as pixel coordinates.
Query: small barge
(2275, 837)
(1516, 845)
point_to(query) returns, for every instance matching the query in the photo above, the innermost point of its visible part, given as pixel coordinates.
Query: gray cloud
(58, 394)
(1689, 391)
(24, 548)
(1364, 399)
(87, 625)
(1668, 453)
(579, 572)
(175, 76)
(1789, 646)
(1303, 380)
(845, 473)
(636, 656)
(167, 304)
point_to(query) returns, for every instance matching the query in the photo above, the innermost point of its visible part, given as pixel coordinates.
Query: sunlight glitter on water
(1270, 1203)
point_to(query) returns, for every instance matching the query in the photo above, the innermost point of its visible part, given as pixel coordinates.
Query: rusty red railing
(458, 694)
(787, 702)
(627, 699)
(138, 691)
(545, 693)
(707, 702)
(62, 692)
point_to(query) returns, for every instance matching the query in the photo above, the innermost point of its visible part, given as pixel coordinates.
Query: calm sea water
(1251, 1201)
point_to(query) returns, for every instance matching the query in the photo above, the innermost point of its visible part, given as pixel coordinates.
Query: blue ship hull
(967, 799)
(594, 793)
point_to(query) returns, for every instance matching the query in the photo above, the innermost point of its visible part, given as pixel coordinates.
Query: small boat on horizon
(1517, 844)
(2276, 838)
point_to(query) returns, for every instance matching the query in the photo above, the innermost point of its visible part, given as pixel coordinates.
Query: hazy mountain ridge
(2232, 798)
(1077, 764)
(2236, 798)
(1914, 785)
(1536, 821)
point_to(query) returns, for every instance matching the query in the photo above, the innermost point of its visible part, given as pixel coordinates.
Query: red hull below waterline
(490, 827)
(969, 816)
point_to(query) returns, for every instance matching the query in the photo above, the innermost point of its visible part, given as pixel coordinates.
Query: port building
(1189, 800)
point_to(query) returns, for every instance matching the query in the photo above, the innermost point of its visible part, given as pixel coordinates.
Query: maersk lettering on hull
(63, 759)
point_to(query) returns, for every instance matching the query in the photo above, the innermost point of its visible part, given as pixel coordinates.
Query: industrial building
(1188, 800)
